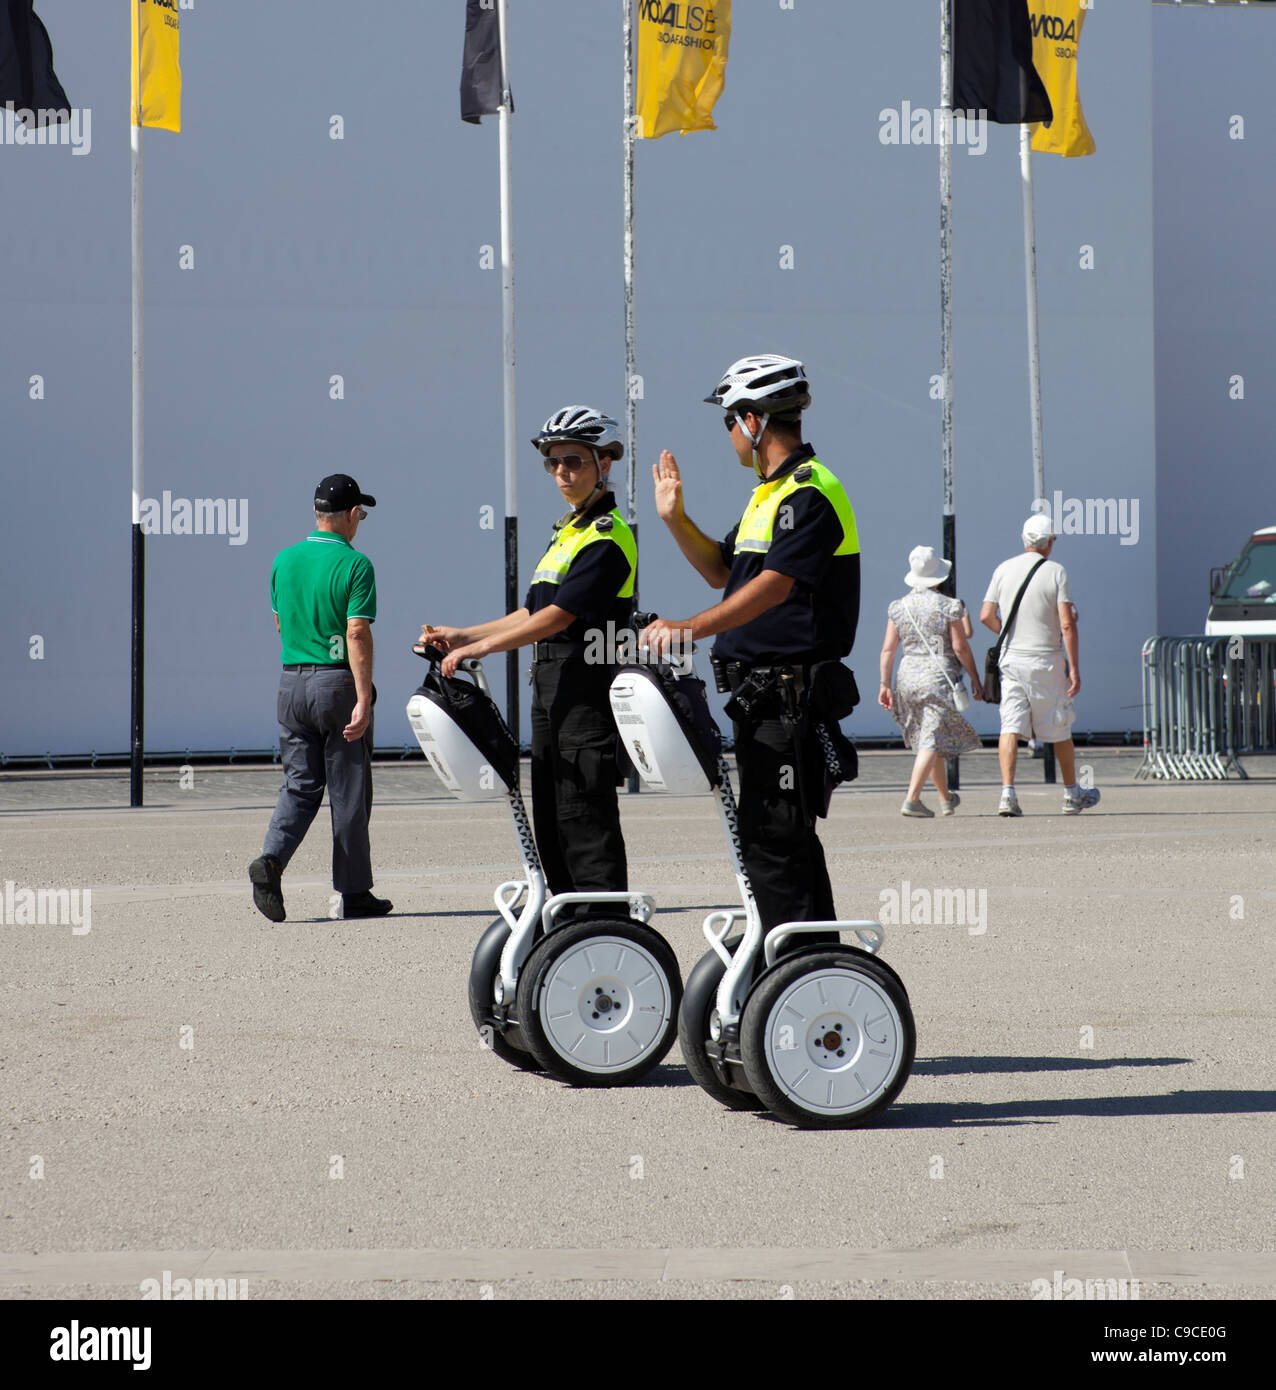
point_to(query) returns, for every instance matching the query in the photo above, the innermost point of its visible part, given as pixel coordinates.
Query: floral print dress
(923, 700)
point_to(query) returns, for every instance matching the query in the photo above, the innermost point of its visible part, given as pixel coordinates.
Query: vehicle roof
(1266, 531)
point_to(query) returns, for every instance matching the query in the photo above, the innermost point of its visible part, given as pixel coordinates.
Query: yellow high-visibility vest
(757, 525)
(570, 540)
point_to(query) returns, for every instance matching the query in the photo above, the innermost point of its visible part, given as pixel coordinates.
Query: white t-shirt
(1036, 631)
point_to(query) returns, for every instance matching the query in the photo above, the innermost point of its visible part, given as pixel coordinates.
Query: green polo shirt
(315, 588)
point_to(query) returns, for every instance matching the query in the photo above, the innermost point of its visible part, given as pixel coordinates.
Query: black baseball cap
(340, 493)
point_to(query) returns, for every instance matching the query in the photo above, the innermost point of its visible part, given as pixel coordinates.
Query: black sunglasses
(729, 422)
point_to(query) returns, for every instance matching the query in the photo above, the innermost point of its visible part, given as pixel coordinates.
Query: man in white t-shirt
(1037, 685)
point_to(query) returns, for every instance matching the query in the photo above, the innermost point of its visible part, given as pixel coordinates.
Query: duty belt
(556, 651)
(731, 675)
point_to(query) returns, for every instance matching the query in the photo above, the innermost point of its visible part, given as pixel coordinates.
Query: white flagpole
(630, 128)
(1034, 341)
(631, 403)
(137, 663)
(946, 272)
(507, 342)
(1049, 771)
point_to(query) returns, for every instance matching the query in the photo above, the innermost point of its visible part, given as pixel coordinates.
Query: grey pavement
(308, 1108)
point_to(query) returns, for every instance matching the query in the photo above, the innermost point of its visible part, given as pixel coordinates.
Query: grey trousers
(315, 704)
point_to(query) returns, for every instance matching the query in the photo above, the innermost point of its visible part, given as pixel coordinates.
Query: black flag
(27, 80)
(481, 66)
(992, 62)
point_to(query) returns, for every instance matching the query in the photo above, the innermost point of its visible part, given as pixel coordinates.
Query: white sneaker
(1085, 798)
(916, 808)
(1009, 804)
(949, 806)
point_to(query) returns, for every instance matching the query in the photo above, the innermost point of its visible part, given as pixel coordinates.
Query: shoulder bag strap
(930, 653)
(1014, 607)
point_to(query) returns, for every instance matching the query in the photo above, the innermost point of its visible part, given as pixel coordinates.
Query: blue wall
(1215, 295)
(362, 257)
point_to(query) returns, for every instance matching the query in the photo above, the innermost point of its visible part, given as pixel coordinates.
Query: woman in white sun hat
(932, 630)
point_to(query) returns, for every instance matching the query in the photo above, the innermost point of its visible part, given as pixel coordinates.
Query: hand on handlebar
(474, 651)
(444, 638)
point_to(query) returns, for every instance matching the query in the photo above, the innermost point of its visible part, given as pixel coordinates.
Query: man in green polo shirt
(324, 594)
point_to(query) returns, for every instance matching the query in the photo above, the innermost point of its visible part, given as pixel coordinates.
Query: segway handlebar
(471, 665)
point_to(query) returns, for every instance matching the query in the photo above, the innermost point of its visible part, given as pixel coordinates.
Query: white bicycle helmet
(767, 383)
(581, 424)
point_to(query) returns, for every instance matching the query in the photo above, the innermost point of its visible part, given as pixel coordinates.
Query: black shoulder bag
(992, 666)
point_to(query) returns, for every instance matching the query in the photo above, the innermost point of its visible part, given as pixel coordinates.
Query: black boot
(364, 905)
(268, 894)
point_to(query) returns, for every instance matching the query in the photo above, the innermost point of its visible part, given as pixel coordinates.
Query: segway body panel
(591, 999)
(821, 1035)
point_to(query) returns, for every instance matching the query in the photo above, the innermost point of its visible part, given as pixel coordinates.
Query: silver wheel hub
(604, 1004)
(834, 1041)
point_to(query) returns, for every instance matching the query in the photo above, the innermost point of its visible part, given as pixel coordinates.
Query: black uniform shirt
(817, 621)
(590, 587)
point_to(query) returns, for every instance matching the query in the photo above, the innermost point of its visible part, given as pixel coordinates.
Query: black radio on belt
(754, 693)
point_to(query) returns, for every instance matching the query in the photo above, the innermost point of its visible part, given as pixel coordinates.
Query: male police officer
(324, 594)
(791, 572)
(583, 585)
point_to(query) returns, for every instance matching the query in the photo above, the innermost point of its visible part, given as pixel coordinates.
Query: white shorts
(1034, 698)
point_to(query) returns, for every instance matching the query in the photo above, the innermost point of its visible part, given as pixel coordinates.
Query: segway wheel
(483, 968)
(598, 1001)
(828, 1038)
(699, 998)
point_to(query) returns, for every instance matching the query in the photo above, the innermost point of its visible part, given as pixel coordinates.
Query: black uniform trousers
(574, 804)
(782, 853)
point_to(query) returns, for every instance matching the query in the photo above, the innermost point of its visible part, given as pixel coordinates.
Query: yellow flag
(1056, 36)
(157, 47)
(682, 64)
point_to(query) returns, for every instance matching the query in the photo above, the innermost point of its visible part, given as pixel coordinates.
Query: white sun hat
(925, 568)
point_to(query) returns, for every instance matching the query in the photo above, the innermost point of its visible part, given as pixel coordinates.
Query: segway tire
(598, 1001)
(828, 1038)
(483, 968)
(699, 998)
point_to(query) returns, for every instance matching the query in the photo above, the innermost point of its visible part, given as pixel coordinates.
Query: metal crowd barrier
(1206, 701)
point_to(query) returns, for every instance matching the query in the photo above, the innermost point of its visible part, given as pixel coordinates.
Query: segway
(593, 1000)
(820, 1035)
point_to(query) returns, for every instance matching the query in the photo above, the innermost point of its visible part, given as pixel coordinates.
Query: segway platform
(556, 983)
(821, 1035)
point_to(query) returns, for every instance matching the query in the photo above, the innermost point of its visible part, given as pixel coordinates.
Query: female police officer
(583, 585)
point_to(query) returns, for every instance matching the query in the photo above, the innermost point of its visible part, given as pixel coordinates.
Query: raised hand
(668, 483)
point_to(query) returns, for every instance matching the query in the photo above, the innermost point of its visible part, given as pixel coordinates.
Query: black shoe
(364, 905)
(268, 893)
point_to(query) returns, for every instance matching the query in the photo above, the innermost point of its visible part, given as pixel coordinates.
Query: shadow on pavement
(964, 1066)
(967, 1114)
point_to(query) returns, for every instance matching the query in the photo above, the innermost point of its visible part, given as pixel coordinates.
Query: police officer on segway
(791, 573)
(579, 602)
